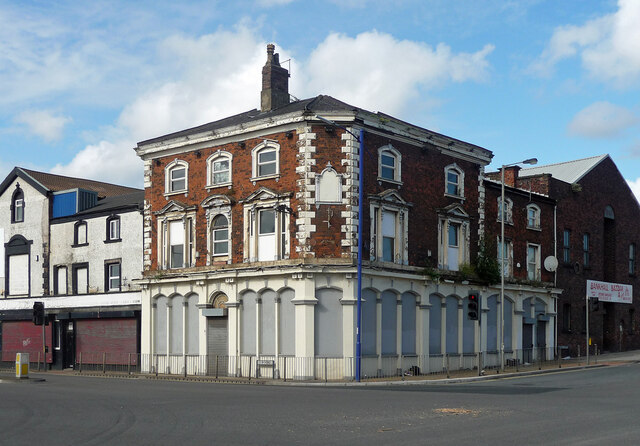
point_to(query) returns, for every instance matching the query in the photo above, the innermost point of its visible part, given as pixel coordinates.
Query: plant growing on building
(486, 266)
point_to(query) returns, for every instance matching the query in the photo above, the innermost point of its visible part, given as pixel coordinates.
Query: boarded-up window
(19, 274)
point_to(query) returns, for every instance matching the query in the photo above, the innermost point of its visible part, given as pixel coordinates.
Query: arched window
(220, 235)
(17, 206)
(389, 164)
(454, 181)
(533, 217)
(176, 177)
(219, 169)
(80, 234)
(265, 160)
(113, 229)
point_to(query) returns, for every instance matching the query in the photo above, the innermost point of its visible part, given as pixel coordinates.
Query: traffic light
(594, 304)
(38, 313)
(473, 307)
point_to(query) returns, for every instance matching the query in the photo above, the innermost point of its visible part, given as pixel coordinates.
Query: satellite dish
(551, 264)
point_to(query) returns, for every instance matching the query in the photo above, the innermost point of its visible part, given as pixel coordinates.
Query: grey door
(217, 346)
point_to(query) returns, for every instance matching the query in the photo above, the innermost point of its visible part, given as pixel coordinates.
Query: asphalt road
(595, 406)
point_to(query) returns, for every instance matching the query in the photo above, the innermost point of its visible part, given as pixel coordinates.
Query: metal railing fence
(310, 368)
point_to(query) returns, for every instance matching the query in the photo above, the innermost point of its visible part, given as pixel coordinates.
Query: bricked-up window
(80, 233)
(566, 246)
(533, 217)
(454, 181)
(219, 169)
(176, 177)
(586, 258)
(533, 261)
(113, 276)
(389, 164)
(265, 160)
(17, 206)
(632, 259)
(508, 210)
(389, 228)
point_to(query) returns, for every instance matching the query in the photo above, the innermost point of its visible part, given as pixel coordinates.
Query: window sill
(215, 186)
(457, 197)
(178, 192)
(506, 222)
(115, 240)
(266, 177)
(388, 180)
(534, 228)
(79, 245)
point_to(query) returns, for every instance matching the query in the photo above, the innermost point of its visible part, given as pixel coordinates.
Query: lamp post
(360, 139)
(502, 253)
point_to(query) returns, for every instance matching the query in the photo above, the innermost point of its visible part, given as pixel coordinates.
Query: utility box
(22, 365)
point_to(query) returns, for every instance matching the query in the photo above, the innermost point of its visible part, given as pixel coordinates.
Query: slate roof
(118, 202)
(569, 171)
(49, 182)
(311, 106)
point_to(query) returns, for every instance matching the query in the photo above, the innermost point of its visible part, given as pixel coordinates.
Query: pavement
(602, 360)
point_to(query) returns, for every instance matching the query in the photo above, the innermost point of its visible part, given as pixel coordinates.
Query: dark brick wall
(518, 232)
(582, 211)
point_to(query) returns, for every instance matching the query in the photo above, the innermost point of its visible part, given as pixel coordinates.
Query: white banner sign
(610, 292)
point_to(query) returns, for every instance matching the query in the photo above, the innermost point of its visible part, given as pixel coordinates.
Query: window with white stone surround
(389, 228)
(176, 236)
(218, 213)
(453, 237)
(266, 226)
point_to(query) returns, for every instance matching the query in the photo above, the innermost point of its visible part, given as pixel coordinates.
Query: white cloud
(609, 46)
(44, 123)
(376, 71)
(112, 162)
(219, 74)
(602, 120)
(635, 187)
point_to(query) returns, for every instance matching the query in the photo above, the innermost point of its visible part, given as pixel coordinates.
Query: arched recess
(452, 324)
(508, 323)
(389, 322)
(492, 323)
(287, 322)
(160, 325)
(176, 329)
(248, 338)
(193, 321)
(328, 323)
(435, 324)
(268, 322)
(369, 322)
(408, 323)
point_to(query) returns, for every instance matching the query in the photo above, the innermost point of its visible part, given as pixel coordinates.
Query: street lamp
(531, 161)
(360, 139)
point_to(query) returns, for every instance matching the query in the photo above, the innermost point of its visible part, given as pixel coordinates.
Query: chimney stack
(275, 82)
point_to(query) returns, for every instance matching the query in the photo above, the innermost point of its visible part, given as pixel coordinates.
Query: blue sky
(82, 82)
